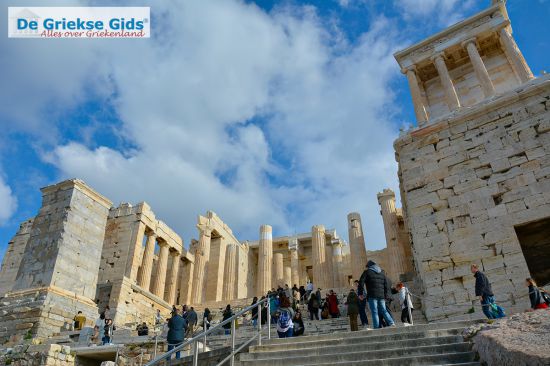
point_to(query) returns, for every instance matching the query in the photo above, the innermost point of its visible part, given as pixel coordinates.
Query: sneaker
(407, 324)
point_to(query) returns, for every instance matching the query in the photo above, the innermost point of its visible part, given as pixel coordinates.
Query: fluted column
(202, 255)
(319, 256)
(358, 252)
(420, 109)
(186, 281)
(144, 278)
(173, 279)
(230, 269)
(278, 270)
(295, 267)
(265, 255)
(160, 274)
(479, 67)
(337, 265)
(396, 260)
(288, 276)
(518, 63)
(329, 276)
(447, 82)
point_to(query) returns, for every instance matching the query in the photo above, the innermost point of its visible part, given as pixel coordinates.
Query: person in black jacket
(254, 312)
(362, 294)
(485, 293)
(176, 331)
(535, 296)
(376, 284)
(227, 313)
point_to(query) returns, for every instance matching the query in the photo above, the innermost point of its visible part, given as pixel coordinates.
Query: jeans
(171, 347)
(255, 322)
(376, 305)
(314, 313)
(289, 333)
(106, 340)
(486, 301)
(363, 312)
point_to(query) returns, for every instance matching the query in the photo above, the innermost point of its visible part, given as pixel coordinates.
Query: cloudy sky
(278, 112)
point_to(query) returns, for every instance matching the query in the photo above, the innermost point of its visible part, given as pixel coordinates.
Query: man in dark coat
(375, 282)
(176, 331)
(362, 295)
(485, 293)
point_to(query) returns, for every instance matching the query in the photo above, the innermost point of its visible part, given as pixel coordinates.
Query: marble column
(337, 264)
(230, 272)
(202, 255)
(396, 260)
(160, 274)
(173, 279)
(144, 278)
(295, 267)
(358, 252)
(278, 270)
(479, 67)
(186, 281)
(319, 256)
(446, 82)
(518, 63)
(420, 108)
(288, 276)
(265, 255)
(329, 270)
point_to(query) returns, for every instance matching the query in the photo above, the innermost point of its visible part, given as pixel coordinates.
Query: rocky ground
(521, 339)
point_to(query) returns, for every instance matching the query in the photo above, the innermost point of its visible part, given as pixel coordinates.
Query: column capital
(412, 68)
(465, 43)
(437, 56)
(151, 234)
(174, 253)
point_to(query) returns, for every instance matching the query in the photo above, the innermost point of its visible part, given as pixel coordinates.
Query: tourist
(174, 310)
(296, 292)
(192, 320)
(79, 321)
(264, 311)
(107, 331)
(353, 309)
(309, 289)
(361, 294)
(287, 291)
(107, 312)
(325, 314)
(333, 305)
(184, 312)
(98, 327)
(313, 307)
(143, 329)
(227, 313)
(273, 307)
(254, 312)
(405, 302)
(535, 295)
(206, 318)
(158, 318)
(299, 327)
(177, 327)
(285, 326)
(303, 292)
(320, 299)
(375, 282)
(485, 292)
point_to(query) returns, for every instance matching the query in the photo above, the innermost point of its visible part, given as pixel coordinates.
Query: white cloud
(8, 202)
(446, 12)
(190, 99)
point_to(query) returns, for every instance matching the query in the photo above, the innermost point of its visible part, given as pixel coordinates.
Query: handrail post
(268, 319)
(233, 328)
(259, 320)
(196, 353)
(204, 341)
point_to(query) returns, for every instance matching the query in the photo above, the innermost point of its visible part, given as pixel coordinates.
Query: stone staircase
(424, 344)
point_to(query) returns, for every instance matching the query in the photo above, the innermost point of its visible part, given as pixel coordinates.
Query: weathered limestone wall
(466, 182)
(39, 355)
(13, 256)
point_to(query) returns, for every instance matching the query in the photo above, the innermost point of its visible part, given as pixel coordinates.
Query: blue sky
(277, 112)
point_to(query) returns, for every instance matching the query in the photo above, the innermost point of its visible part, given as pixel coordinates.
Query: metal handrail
(204, 333)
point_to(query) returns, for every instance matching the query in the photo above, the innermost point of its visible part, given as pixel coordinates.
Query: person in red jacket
(333, 305)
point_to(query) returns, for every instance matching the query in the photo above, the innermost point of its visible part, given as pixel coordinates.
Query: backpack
(545, 297)
(284, 320)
